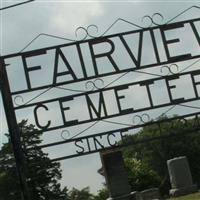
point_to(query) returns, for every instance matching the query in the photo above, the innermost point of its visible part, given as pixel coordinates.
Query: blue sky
(20, 25)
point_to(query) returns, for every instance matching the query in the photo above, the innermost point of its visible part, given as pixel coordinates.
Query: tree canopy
(147, 162)
(42, 175)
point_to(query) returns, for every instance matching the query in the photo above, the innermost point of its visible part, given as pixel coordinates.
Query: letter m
(96, 106)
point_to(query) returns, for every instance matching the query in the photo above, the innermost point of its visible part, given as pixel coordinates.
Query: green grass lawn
(195, 196)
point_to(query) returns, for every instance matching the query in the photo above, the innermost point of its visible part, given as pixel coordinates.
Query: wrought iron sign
(88, 94)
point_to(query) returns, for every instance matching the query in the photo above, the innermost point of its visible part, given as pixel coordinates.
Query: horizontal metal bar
(105, 37)
(99, 76)
(143, 82)
(147, 140)
(121, 129)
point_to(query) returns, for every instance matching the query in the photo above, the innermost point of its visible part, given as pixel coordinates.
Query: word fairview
(86, 59)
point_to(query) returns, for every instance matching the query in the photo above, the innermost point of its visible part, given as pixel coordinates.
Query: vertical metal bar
(13, 129)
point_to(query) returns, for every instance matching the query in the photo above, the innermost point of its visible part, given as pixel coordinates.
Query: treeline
(145, 163)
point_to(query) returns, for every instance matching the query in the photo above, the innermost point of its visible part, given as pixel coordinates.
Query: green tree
(140, 175)
(146, 162)
(102, 194)
(83, 194)
(43, 175)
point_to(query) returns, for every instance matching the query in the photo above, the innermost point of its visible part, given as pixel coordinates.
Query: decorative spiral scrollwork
(65, 134)
(141, 119)
(88, 31)
(84, 30)
(171, 70)
(92, 28)
(96, 84)
(153, 20)
(18, 100)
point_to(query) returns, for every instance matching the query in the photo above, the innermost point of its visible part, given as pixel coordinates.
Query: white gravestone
(180, 177)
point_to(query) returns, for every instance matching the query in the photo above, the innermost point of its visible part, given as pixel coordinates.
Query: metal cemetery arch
(98, 89)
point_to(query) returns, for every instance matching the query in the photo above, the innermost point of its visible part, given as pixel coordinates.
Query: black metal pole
(13, 129)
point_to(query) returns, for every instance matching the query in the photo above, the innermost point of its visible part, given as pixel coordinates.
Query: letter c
(109, 142)
(36, 116)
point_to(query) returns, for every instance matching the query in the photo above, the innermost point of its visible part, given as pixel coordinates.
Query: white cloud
(55, 18)
(66, 18)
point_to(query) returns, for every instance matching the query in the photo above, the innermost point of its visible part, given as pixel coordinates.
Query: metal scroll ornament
(92, 30)
(65, 135)
(96, 84)
(155, 19)
(141, 119)
(170, 70)
(18, 100)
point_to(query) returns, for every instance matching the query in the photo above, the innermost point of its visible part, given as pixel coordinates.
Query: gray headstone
(132, 196)
(150, 194)
(115, 173)
(180, 177)
(116, 176)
